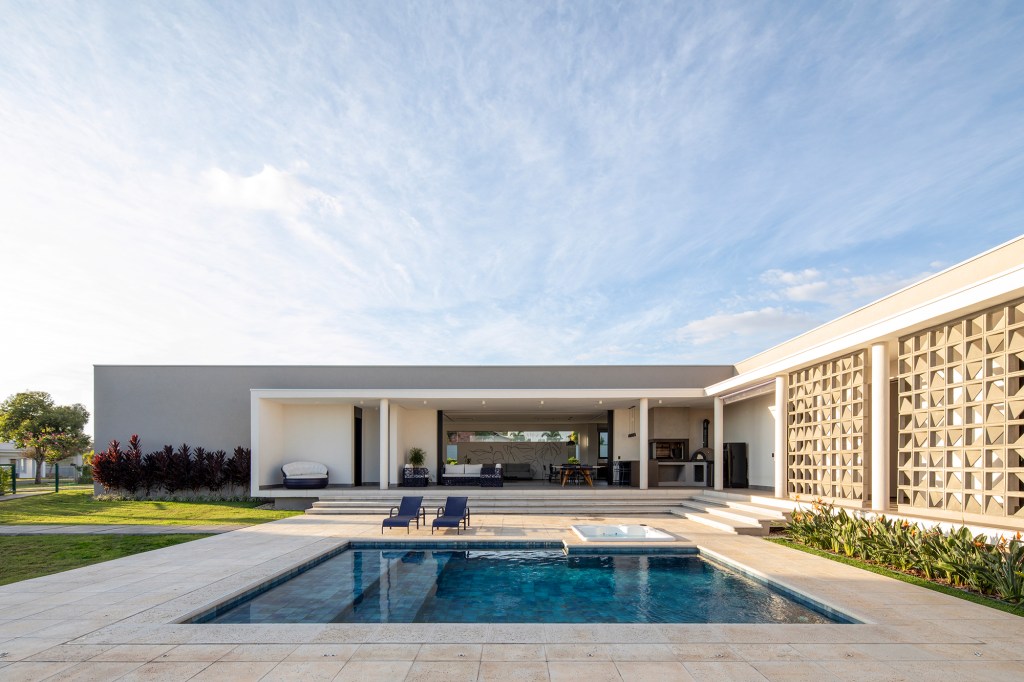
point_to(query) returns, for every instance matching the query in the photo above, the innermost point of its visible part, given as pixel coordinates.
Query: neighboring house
(915, 400)
(25, 464)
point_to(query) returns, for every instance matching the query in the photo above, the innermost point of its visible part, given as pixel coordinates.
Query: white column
(879, 424)
(781, 436)
(642, 437)
(385, 441)
(719, 439)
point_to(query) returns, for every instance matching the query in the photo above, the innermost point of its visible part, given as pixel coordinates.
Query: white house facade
(914, 402)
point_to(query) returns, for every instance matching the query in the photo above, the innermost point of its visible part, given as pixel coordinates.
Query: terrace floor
(116, 620)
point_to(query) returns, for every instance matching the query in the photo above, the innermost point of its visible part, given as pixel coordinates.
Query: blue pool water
(520, 586)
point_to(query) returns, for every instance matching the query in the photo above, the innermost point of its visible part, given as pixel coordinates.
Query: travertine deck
(116, 621)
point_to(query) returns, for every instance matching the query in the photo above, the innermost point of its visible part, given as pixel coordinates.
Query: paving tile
(449, 652)
(704, 652)
(70, 652)
(726, 671)
(640, 652)
(386, 652)
(308, 671)
(197, 652)
(173, 671)
(338, 653)
(662, 671)
(259, 652)
(512, 652)
(576, 652)
(374, 671)
(224, 671)
(867, 671)
(31, 672)
(133, 652)
(513, 671)
(574, 671)
(793, 671)
(99, 671)
(443, 671)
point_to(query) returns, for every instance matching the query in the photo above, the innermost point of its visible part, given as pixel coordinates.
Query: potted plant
(415, 474)
(574, 460)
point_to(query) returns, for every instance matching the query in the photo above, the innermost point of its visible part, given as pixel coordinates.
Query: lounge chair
(408, 510)
(454, 514)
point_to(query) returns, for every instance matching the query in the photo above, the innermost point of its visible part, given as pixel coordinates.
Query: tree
(552, 436)
(53, 432)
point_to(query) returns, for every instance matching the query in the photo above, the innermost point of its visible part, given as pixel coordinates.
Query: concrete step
(727, 513)
(760, 500)
(722, 524)
(771, 513)
(567, 505)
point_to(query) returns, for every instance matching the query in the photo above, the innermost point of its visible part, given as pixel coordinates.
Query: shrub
(128, 473)
(959, 558)
(5, 480)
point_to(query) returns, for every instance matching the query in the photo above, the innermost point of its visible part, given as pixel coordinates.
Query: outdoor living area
(568, 440)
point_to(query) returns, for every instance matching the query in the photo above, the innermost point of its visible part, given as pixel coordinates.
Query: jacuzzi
(630, 533)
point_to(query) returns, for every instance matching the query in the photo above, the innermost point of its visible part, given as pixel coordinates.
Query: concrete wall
(626, 448)
(321, 433)
(210, 405)
(418, 430)
(751, 422)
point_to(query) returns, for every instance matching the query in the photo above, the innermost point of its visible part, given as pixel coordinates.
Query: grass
(78, 506)
(29, 486)
(904, 577)
(32, 556)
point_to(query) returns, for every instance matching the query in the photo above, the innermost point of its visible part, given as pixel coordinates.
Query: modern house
(915, 400)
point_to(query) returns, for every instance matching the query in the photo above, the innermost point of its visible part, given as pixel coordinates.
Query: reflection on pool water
(514, 586)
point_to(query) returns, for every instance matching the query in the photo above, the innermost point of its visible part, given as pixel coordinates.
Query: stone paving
(118, 620)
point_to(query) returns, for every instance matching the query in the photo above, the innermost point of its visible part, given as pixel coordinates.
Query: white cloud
(770, 322)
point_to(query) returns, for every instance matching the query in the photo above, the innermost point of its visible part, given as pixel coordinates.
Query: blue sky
(485, 183)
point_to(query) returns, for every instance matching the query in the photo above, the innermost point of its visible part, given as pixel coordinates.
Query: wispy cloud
(434, 182)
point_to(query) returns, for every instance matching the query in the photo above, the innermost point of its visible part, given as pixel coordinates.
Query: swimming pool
(441, 585)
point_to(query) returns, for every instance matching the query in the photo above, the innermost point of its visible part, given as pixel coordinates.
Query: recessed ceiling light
(600, 402)
(483, 402)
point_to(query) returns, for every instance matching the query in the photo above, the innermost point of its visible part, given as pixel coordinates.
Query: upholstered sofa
(486, 475)
(517, 470)
(305, 475)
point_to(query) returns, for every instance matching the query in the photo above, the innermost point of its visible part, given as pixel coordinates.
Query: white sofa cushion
(304, 470)
(473, 469)
(454, 469)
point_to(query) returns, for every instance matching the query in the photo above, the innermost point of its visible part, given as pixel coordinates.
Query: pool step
(720, 523)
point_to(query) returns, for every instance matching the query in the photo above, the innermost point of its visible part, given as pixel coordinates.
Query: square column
(781, 436)
(642, 437)
(385, 441)
(719, 441)
(879, 424)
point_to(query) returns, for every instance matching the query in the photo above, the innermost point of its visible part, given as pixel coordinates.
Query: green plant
(574, 460)
(417, 456)
(958, 558)
(5, 480)
(451, 460)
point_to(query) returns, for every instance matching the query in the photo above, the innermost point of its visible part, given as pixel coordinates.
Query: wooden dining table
(570, 471)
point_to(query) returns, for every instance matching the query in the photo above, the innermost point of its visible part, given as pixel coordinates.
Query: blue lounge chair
(408, 510)
(454, 514)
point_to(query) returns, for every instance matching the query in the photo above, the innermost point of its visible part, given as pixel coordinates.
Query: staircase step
(723, 524)
(771, 513)
(726, 513)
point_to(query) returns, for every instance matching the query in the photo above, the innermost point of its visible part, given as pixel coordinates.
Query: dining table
(577, 472)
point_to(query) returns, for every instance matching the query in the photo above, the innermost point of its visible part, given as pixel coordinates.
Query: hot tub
(623, 533)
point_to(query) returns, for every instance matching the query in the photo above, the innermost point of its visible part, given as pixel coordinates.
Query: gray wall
(209, 405)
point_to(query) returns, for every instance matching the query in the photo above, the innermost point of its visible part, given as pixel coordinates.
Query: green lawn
(31, 556)
(78, 506)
